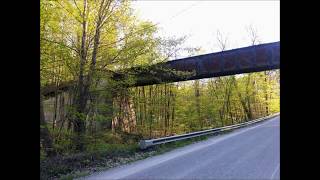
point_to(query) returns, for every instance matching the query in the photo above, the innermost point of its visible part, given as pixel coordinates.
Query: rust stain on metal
(263, 55)
(246, 58)
(213, 64)
(229, 61)
(276, 54)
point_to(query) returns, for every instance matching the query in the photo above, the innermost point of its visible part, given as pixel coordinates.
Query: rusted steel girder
(237, 61)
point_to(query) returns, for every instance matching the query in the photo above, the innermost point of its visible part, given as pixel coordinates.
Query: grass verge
(83, 164)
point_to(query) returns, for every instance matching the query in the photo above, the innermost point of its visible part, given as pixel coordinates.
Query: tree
(222, 42)
(95, 36)
(85, 41)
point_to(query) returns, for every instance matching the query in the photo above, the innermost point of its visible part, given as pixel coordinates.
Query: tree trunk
(197, 95)
(150, 110)
(81, 96)
(243, 102)
(266, 93)
(165, 110)
(172, 112)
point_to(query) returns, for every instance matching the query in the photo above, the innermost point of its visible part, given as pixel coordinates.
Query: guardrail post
(144, 144)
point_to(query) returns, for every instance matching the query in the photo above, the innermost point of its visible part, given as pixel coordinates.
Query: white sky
(201, 20)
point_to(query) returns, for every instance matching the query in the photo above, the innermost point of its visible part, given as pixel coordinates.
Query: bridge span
(236, 61)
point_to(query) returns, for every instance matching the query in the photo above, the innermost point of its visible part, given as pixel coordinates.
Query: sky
(201, 20)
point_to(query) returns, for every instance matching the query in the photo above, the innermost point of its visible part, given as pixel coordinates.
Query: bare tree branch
(104, 18)
(75, 3)
(129, 35)
(74, 16)
(222, 41)
(253, 34)
(61, 44)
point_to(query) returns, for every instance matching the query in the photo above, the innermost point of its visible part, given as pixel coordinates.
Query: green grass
(104, 156)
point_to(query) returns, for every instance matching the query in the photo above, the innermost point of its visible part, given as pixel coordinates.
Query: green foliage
(106, 156)
(62, 165)
(206, 104)
(116, 117)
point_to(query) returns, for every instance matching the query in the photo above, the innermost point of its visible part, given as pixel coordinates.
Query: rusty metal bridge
(237, 61)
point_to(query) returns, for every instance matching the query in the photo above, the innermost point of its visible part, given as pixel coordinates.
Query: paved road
(247, 153)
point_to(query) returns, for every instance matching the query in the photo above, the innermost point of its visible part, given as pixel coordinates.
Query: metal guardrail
(147, 143)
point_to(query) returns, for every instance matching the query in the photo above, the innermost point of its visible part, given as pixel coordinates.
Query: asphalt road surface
(247, 153)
